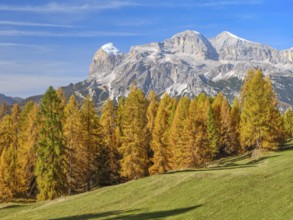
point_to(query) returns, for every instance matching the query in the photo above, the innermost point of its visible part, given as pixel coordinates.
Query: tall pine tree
(50, 164)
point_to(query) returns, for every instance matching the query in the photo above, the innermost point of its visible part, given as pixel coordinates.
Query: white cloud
(67, 34)
(54, 7)
(203, 3)
(32, 24)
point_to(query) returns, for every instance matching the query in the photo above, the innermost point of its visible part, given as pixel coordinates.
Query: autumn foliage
(60, 148)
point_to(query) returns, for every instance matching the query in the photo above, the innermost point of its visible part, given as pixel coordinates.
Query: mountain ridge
(187, 64)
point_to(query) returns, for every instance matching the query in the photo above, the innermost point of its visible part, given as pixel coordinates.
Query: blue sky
(46, 43)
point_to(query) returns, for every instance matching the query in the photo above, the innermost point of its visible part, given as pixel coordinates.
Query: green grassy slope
(236, 188)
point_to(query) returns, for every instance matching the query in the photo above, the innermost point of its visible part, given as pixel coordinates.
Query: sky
(45, 43)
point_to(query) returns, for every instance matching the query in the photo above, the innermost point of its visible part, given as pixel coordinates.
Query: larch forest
(59, 148)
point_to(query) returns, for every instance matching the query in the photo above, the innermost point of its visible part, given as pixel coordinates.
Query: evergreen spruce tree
(176, 132)
(134, 149)
(110, 173)
(160, 144)
(50, 164)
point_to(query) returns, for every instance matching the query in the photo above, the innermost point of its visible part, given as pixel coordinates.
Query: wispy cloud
(231, 2)
(39, 48)
(33, 24)
(73, 7)
(67, 34)
(201, 3)
(54, 7)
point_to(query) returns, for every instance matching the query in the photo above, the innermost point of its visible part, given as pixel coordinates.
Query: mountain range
(9, 100)
(188, 63)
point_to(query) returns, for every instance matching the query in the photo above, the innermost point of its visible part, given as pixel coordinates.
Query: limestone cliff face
(187, 64)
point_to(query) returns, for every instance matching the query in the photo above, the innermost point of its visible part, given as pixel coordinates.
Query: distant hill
(234, 188)
(9, 100)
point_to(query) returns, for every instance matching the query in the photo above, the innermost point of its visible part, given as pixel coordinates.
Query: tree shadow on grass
(287, 146)
(261, 159)
(235, 159)
(11, 206)
(125, 215)
(93, 216)
(228, 166)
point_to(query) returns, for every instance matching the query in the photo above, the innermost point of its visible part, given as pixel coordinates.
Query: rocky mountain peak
(191, 42)
(225, 35)
(187, 64)
(104, 61)
(110, 49)
(233, 48)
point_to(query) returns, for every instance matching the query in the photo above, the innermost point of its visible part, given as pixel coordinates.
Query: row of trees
(60, 148)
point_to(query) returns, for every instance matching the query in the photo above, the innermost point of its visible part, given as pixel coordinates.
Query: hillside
(234, 188)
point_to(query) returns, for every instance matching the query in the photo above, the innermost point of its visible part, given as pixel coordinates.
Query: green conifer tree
(50, 164)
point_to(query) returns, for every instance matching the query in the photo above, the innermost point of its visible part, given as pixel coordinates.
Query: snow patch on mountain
(188, 63)
(234, 36)
(109, 48)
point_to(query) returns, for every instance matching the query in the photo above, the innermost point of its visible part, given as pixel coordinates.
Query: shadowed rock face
(186, 64)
